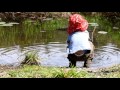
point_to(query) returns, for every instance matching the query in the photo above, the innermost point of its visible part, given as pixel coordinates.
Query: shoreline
(39, 71)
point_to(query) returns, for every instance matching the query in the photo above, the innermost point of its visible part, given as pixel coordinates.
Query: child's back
(79, 41)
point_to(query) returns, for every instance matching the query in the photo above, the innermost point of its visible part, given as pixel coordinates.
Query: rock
(115, 28)
(2, 22)
(102, 32)
(93, 24)
(7, 25)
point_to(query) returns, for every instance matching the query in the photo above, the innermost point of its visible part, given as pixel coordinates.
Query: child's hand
(68, 42)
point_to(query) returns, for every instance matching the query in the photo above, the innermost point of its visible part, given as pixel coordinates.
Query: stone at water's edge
(115, 27)
(13, 23)
(93, 24)
(2, 22)
(6, 25)
(102, 32)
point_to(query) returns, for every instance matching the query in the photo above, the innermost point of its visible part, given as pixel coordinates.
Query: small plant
(31, 58)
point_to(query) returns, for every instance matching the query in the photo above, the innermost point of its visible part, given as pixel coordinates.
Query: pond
(51, 46)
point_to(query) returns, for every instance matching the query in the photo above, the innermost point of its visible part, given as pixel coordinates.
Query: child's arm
(68, 41)
(68, 44)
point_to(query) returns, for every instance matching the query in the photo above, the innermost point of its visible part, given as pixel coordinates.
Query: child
(79, 46)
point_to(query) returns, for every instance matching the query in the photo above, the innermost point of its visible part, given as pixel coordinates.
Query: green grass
(31, 58)
(46, 25)
(33, 71)
(28, 71)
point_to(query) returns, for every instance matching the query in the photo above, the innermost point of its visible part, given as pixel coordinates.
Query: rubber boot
(72, 64)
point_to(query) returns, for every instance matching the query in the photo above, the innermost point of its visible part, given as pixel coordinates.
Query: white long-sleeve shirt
(78, 41)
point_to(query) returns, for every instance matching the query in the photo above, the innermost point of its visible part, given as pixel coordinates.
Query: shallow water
(51, 47)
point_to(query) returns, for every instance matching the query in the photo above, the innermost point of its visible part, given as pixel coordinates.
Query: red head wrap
(77, 23)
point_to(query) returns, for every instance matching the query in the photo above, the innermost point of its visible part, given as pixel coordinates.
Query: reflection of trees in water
(10, 36)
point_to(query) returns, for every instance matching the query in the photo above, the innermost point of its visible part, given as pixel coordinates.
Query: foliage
(31, 58)
(53, 24)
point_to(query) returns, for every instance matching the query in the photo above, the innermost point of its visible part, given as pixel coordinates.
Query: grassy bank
(52, 72)
(53, 24)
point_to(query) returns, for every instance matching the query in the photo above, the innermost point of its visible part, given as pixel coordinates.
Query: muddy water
(51, 47)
